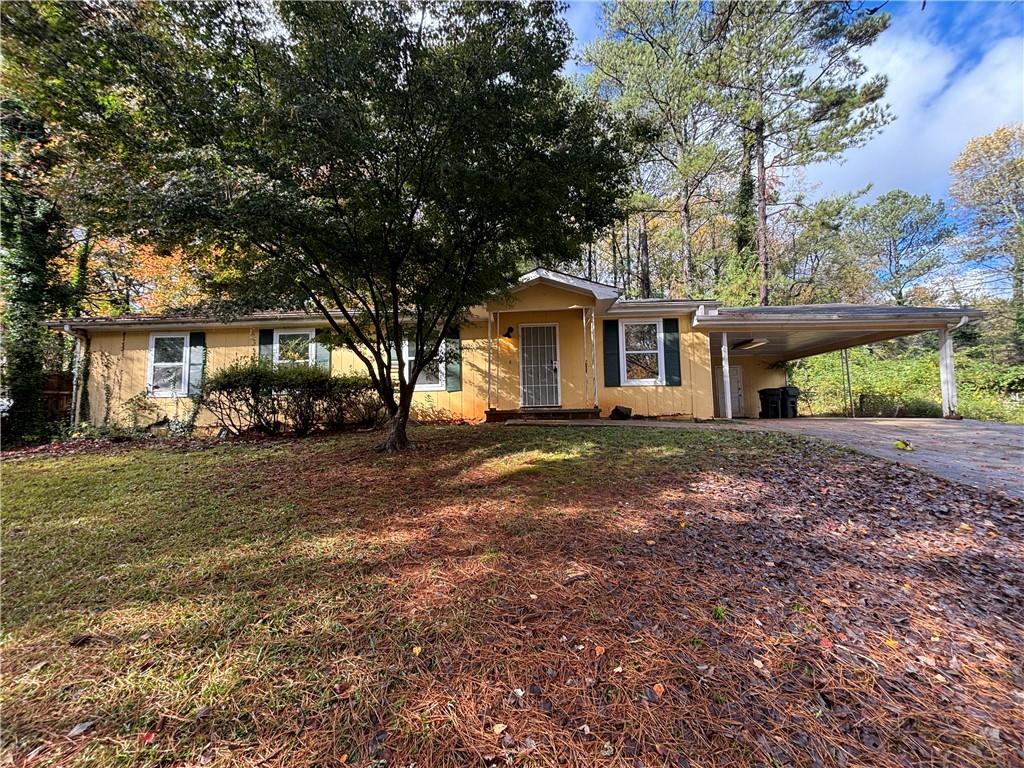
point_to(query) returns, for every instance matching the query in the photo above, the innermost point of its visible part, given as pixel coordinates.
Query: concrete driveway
(982, 454)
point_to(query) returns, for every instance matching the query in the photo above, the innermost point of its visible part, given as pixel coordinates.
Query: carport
(767, 336)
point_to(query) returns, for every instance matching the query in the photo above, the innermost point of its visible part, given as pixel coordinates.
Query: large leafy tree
(34, 237)
(988, 189)
(903, 239)
(799, 93)
(385, 164)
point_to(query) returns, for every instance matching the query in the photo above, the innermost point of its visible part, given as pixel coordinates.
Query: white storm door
(539, 379)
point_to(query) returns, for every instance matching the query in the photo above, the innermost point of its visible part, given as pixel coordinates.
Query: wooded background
(116, 134)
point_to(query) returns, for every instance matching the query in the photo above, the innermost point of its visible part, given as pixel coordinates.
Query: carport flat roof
(789, 333)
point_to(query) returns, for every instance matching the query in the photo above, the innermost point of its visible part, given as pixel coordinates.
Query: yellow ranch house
(556, 346)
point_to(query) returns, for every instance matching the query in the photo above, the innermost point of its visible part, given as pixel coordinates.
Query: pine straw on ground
(513, 597)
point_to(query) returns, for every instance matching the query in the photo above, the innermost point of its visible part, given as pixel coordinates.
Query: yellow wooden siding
(468, 403)
(541, 298)
(120, 362)
(756, 375)
(119, 367)
(471, 402)
(692, 399)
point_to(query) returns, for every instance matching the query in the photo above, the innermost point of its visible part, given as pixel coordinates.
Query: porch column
(593, 352)
(586, 357)
(947, 374)
(726, 384)
(490, 352)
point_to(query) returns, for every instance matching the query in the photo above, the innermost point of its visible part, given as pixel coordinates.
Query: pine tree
(796, 84)
(651, 62)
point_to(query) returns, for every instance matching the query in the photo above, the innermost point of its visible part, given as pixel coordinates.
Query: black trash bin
(789, 397)
(771, 403)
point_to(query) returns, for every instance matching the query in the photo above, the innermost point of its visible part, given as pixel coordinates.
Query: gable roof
(600, 291)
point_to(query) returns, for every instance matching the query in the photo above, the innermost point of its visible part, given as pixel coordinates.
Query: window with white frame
(293, 347)
(640, 341)
(431, 378)
(168, 364)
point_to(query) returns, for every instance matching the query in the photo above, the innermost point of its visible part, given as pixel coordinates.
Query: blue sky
(956, 71)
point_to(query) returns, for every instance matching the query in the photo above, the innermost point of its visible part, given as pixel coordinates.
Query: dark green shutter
(670, 351)
(322, 355)
(611, 354)
(196, 361)
(267, 344)
(453, 361)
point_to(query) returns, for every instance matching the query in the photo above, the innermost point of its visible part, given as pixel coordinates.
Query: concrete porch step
(494, 415)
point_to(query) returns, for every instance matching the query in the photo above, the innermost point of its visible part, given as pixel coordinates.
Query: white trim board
(151, 363)
(660, 380)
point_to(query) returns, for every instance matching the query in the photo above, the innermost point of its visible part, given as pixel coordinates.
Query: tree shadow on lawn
(547, 597)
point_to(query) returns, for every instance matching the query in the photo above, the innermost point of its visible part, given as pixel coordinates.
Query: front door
(736, 387)
(538, 366)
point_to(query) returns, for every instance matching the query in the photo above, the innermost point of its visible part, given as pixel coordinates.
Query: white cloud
(939, 103)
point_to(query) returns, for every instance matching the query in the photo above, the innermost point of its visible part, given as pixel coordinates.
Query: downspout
(593, 354)
(79, 372)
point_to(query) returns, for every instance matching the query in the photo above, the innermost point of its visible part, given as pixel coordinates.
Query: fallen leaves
(575, 577)
(813, 604)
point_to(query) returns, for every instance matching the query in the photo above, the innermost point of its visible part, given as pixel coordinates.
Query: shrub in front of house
(255, 396)
(241, 397)
(301, 393)
(353, 402)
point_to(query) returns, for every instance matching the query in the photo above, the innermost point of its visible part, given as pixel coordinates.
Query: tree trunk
(687, 249)
(628, 263)
(745, 198)
(762, 213)
(615, 258)
(645, 260)
(397, 438)
(398, 407)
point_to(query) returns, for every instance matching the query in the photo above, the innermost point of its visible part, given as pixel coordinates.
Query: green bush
(241, 396)
(907, 384)
(352, 401)
(254, 395)
(302, 392)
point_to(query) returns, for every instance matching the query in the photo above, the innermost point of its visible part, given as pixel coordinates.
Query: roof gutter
(782, 323)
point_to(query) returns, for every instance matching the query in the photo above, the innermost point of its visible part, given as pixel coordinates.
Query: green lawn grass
(314, 602)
